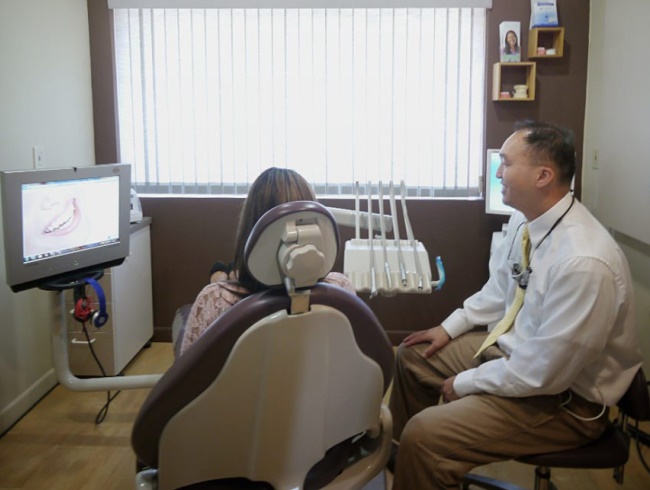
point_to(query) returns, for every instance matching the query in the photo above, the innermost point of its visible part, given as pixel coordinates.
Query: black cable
(101, 415)
(637, 438)
(638, 434)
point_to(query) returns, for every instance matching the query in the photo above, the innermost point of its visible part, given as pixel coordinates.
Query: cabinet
(546, 38)
(506, 75)
(129, 304)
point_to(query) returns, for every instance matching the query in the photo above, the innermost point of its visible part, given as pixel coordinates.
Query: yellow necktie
(509, 319)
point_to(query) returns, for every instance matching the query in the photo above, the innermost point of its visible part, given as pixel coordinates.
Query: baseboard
(13, 412)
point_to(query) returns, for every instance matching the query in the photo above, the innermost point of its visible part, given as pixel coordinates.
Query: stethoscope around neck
(522, 274)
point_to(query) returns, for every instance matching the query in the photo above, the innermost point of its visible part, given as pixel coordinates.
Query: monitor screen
(63, 217)
(493, 197)
(60, 222)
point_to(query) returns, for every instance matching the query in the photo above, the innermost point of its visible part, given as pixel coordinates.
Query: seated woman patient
(274, 186)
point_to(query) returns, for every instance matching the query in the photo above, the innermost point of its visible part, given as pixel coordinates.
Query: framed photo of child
(510, 43)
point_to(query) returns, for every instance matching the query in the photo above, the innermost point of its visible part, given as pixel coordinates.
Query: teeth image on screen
(64, 221)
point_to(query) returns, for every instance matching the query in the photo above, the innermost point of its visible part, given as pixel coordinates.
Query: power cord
(82, 313)
(641, 438)
(101, 415)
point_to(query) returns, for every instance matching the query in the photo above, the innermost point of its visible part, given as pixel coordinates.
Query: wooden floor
(58, 446)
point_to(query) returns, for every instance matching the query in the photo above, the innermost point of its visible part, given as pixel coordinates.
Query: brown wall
(561, 87)
(188, 234)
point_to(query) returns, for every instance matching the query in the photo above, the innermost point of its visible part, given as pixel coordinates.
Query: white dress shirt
(576, 327)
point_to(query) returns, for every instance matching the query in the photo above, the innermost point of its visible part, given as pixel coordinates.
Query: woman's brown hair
(274, 186)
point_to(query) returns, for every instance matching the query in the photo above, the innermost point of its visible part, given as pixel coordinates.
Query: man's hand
(437, 336)
(447, 390)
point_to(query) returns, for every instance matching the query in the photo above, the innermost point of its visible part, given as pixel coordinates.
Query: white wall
(616, 186)
(45, 100)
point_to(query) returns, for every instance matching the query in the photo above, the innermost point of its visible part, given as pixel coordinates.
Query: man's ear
(545, 176)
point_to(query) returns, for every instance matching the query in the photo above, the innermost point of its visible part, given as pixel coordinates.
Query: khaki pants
(439, 444)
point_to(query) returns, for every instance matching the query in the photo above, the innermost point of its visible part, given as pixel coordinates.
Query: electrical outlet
(38, 153)
(594, 160)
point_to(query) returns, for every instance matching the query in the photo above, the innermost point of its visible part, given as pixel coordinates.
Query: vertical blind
(208, 98)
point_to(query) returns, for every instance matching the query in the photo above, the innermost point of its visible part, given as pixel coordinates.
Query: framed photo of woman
(510, 43)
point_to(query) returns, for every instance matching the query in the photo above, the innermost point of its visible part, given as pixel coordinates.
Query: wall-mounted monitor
(493, 197)
(61, 224)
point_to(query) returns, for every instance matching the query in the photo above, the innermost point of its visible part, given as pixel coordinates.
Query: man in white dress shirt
(547, 383)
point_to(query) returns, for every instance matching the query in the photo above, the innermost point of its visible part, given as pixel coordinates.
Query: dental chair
(284, 391)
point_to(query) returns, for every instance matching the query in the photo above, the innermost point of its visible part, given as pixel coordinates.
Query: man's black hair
(551, 142)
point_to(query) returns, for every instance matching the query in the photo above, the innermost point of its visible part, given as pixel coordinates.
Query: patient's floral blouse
(217, 297)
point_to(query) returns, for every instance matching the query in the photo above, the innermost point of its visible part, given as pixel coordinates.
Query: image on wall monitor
(61, 225)
(493, 197)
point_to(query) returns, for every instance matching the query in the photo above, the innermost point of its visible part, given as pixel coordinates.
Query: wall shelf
(547, 38)
(506, 75)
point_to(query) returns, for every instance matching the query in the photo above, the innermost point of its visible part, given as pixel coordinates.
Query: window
(208, 98)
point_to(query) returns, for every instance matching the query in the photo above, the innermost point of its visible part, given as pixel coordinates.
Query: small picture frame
(510, 41)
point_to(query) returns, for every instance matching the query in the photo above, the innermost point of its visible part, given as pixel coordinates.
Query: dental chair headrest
(298, 240)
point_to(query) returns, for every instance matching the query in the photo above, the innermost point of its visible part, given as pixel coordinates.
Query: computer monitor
(62, 224)
(493, 197)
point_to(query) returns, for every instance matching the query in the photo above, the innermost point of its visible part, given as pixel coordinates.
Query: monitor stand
(60, 348)
(72, 280)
